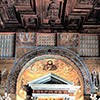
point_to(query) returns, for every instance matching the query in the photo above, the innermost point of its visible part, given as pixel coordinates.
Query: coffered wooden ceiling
(51, 15)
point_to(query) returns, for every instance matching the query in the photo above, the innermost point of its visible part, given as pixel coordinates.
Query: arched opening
(67, 65)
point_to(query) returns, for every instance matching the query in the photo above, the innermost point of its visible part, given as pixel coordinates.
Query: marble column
(0, 77)
(99, 77)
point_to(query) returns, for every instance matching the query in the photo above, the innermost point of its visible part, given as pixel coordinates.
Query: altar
(52, 87)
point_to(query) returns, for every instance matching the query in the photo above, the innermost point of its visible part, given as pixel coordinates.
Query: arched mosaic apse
(40, 51)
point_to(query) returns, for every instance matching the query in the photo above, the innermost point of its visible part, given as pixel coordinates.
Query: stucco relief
(69, 40)
(25, 39)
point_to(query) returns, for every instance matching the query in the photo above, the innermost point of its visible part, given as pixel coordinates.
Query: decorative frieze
(89, 45)
(68, 40)
(45, 39)
(25, 39)
(7, 45)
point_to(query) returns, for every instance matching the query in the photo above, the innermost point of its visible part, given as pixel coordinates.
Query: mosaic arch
(40, 51)
(44, 65)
